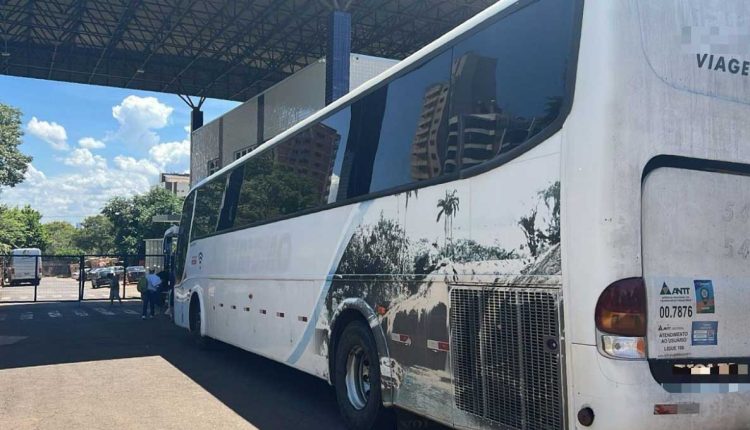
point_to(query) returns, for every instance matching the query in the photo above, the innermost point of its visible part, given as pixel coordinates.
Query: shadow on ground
(265, 393)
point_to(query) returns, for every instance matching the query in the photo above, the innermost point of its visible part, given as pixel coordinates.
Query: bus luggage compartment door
(696, 265)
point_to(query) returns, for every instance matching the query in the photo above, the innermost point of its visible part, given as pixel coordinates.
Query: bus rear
(656, 217)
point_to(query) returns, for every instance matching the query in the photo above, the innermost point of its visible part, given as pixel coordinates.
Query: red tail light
(621, 308)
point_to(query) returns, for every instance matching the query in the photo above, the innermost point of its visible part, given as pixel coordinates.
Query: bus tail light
(621, 319)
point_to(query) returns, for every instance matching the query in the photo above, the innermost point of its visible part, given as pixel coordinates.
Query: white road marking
(57, 296)
(54, 314)
(27, 316)
(80, 313)
(104, 311)
(131, 312)
(6, 298)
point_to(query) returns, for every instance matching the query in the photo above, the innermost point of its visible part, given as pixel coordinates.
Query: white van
(25, 266)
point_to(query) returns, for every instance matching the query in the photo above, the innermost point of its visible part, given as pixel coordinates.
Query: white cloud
(91, 143)
(84, 157)
(141, 166)
(50, 132)
(170, 152)
(138, 117)
(72, 197)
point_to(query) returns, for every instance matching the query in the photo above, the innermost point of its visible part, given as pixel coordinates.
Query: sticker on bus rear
(704, 296)
(705, 333)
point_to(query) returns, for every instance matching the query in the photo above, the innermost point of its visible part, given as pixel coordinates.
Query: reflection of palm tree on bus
(448, 207)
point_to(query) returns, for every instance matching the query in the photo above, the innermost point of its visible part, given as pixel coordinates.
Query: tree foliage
(270, 190)
(382, 248)
(21, 228)
(95, 235)
(61, 237)
(540, 239)
(131, 218)
(13, 163)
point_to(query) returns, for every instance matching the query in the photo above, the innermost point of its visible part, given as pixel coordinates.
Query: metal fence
(33, 278)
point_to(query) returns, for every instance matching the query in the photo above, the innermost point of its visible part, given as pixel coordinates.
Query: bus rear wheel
(357, 377)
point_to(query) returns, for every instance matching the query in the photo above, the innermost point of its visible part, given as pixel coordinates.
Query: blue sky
(92, 143)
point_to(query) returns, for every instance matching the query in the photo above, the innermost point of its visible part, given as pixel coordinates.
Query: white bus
(539, 221)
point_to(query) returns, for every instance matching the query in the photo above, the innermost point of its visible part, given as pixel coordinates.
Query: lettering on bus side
(720, 63)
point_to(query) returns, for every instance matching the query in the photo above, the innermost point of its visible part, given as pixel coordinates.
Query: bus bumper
(624, 395)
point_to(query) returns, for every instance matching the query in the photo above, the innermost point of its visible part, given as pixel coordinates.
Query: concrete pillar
(338, 48)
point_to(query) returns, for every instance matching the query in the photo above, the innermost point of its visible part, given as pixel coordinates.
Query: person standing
(143, 289)
(114, 289)
(152, 291)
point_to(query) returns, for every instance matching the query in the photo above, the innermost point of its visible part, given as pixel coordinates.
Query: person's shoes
(168, 312)
(151, 316)
(143, 317)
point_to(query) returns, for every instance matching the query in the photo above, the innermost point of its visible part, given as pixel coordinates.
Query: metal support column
(196, 118)
(338, 50)
(196, 114)
(81, 277)
(36, 275)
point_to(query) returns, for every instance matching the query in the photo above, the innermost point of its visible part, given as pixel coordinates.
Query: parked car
(75, 274)
(91, 273)
(101, 278)
(134, 273)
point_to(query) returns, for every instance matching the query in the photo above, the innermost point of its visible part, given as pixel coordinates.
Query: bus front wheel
(357, 377)
(203, 342)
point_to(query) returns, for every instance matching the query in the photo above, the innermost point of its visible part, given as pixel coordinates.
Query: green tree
(13, 163)
(158, 201)
(131, 218)
(96, 235)
(60, 238)
(21, 228)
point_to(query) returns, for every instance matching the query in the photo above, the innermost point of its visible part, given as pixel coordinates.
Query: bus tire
(357, 377)
(202, 342)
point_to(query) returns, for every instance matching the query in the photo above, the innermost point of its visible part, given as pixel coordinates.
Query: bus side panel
(262, 287)
(493, 238)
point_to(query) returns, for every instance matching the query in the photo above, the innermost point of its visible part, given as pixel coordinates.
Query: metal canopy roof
(226, 49)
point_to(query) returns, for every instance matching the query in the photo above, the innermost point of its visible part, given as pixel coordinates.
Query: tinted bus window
(292, 176)
(208, 206)
(183, 238)
(509, 80)
(398, 133)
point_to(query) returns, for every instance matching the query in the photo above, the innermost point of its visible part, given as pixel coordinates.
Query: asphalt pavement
(94, 366)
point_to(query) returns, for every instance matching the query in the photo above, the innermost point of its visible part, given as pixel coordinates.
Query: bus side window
(183, 237)
(509, 80)
(229, 205)
(207, 205)
(398, 133)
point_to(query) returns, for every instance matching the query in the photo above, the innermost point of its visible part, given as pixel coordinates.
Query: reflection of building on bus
(311, 156)
(477, 121)
(428, 146)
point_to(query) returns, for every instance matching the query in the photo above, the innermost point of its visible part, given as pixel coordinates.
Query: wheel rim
(358, 377)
